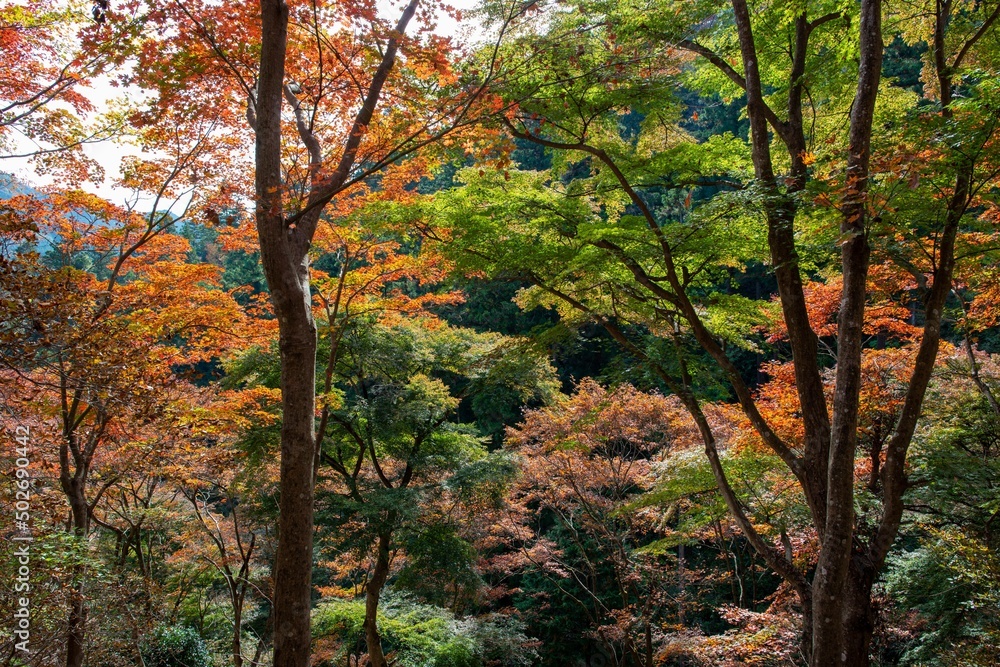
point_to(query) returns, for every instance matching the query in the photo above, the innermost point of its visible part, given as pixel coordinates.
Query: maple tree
(762, 230)
(372, 305)
(52, 54)
(232, 551)
(393, 461)
(99, 359)
(334, 65)
(584, 460)
(608, 241)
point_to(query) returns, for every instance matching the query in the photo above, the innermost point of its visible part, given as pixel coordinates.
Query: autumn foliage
(582, 333)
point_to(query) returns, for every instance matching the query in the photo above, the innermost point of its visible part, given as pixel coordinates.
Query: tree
(946, 570)
(396, 464)
(585, 460)
(52, 52)
(334, 68)
(217, 497)
(609, 237)
(100, 329)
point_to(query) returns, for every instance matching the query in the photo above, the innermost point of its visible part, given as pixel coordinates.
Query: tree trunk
(284, 249)
(780, 210)
(77, 623)
(293, 560)
(680, 585)
(76, 632)
(859, 613)
(831, 581)
(236, 644)
(372, 593)
(284, 256)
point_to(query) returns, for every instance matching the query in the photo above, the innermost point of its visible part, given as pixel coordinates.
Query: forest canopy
(632, 333)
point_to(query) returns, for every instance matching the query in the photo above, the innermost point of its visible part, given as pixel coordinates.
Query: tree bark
(780, 211)
(237, 647)
(293, 560)
(77, 623)
(284, 246)
(286, 267)
(74, 485)
(831, 578)
(859, 611)
(76, 633)
(373, 592)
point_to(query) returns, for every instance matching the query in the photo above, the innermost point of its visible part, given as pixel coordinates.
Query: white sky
(109, 154)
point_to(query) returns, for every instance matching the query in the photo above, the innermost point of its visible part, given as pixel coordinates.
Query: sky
(109, 154)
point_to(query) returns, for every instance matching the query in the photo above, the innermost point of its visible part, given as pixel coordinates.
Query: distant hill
(11, 186)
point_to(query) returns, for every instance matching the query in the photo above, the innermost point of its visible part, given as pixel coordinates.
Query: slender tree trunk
(780, 211)
(236, 644)
(373, 592)
(284, 256)
(76, 632)
(293, 560)
(284, 249)
(831, 579)
(680, 585)
(77, 623)
(984, 388)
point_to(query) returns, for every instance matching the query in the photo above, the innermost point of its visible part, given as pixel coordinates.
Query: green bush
(422, 635)
(176, 646)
